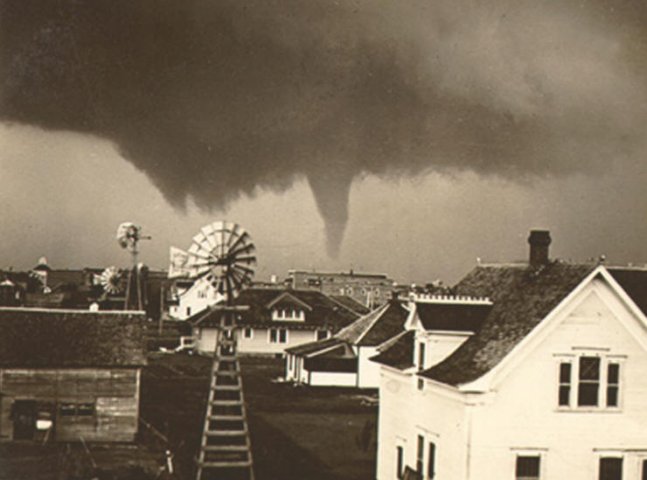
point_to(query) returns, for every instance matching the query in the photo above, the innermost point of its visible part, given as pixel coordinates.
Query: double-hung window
(589, 381)
(278, 335)
(420, 455)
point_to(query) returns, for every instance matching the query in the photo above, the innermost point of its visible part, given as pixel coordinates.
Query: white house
(192, 297)
(277, 319)
(343, 360)
(551, 385)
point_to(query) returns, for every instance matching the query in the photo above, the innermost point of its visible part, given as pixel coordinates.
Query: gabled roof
(324, 311)
(522, 296)
(458, 317)
(398, 352)
(312, 347)
(42, 338)
(376, 327)
(351, 304)
(287, 297)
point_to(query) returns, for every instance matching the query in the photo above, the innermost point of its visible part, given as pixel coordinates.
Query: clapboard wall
(96, 404)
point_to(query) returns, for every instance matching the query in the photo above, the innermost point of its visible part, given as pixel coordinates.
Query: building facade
(551, 385)
(370, 290)
(67, 375)
(275, 319)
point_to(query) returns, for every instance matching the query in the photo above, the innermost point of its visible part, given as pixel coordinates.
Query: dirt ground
(297, 432)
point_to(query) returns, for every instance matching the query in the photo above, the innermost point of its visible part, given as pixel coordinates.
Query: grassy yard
(297, 433)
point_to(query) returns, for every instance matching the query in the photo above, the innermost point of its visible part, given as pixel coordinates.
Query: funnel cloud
(214, 100)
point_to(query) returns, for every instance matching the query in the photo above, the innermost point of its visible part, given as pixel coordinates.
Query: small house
(343, 360)
(67, 375)
(275, 319)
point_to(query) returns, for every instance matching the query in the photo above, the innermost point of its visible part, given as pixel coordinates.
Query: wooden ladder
(225, 449)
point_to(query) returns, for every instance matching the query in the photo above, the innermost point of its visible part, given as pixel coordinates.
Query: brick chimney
(539, 241)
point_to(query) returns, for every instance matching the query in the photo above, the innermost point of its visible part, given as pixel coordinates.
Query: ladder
(225, 448)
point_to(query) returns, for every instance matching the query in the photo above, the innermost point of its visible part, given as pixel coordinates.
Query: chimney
(539, 241)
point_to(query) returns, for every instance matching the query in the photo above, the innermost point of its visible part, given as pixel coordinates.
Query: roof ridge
(381, 311)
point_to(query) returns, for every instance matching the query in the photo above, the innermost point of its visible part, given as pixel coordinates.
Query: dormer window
(288, 314)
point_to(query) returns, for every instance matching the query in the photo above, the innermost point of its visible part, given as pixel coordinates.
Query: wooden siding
(114, 394)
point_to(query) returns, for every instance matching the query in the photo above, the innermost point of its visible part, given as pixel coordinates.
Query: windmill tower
(222, 253)
(128, 236)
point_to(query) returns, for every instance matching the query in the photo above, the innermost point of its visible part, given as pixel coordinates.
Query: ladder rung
(237, 418)
(226, 387)
(225, 464)
(225, 448)
(225, 433)
(227, 402)
(229, 373)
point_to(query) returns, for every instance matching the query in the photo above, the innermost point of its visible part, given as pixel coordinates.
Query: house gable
(591, 311)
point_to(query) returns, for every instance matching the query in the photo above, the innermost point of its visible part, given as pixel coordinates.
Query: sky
(405, 138)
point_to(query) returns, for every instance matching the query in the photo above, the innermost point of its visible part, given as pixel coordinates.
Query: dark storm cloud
(216, 99)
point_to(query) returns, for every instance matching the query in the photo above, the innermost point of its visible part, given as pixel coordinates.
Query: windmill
(128, 236)
(110, 280)
(222, 254)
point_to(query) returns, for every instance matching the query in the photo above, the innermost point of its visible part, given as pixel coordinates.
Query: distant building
(369, 289)
(70, 374)
(191, 297)
(277, 319)
(343, 360)
(529, 372)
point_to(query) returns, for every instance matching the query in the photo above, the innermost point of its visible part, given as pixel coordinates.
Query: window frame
(605, 360)
(611, 456)
(528, 455)
(277, 335)
(247, 330)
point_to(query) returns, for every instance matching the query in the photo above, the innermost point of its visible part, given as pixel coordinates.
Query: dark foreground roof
(39, 338)
(397, 353)
(457, 317)
(634, 282)
(522, 297)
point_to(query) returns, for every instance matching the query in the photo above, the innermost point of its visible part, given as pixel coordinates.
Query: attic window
(590, 381)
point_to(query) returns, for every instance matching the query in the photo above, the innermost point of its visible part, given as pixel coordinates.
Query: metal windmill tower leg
(225, 447)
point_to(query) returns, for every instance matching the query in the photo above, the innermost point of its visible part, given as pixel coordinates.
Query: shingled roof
(522, 297)
(460, 317)
(324, 311)
(397, 352)
(376, 327)
(41, 338)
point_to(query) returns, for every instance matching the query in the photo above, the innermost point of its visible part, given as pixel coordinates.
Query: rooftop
(48, 338)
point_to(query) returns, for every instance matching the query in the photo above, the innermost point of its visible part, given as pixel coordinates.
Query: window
(420, 454)
(611, 468)
(322, 334)
(399, 468)
(421, 384)
(421, 356)
(278, 335)
(565, 384)
(431, 465)
(613, 384)
(248, 332)
(589, 382)
(643, 474)
(527, 467)
(188, 311)
(76, 409)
